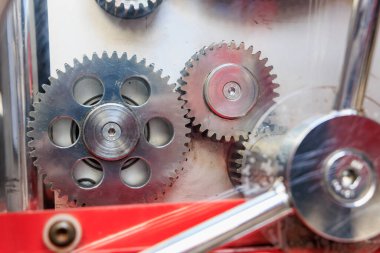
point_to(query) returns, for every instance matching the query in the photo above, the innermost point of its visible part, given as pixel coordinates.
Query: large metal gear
(227, 88)
(125, 133)
(129, 9)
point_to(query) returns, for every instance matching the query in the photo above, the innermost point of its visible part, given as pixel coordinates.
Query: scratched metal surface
(303, 40)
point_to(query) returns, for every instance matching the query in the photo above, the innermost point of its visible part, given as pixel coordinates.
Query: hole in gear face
(87, 173)
(135, 173)
(159, 132)
(61, 132)
(88, 91)
(135, 91)
(111, 131)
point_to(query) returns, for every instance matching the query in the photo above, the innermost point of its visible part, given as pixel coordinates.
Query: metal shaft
(243, 219)
(17, 81)
(360, 45)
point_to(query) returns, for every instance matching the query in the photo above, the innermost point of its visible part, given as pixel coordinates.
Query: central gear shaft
(227, 88)
(126, 132)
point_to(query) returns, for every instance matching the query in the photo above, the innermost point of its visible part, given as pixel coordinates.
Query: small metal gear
(227, 88)
(129, 9)
(126, 131)
(248, 165)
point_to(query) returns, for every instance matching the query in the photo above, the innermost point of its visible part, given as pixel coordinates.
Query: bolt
(62, 233)
(232, 91)
(111, 131)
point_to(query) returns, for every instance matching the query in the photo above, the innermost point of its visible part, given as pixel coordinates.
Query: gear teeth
(32, 153)
(32, 114)
(272, 77)
(151, 67)
(110, 5)
(275, 85)
(184, 95)
(30, 133)
(129, 11)
(68, 68)
(188, 64)
(202, 52)
(150, 4)
(195, 57)
(120, 10)
(76, 62)
(46, 87)
(184, 73)
(114, 56)
(173, 87)
(52, 79)
(166, 79)
(95, 57)
(134, 59)
(32, 144)
(159, 72)
(213, 46)
(105, 55)
(233, 45)
(181, 83)
(190, 115)
(257, 55)
(241, 46)
(124, 57)
(86, 60)
(224, 45)
(264, 61)
(141, 8)
(59, 73)
(250, 49)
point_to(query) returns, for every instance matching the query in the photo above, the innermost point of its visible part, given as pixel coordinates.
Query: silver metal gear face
(227, 88)
(129, 9)
(109, 130)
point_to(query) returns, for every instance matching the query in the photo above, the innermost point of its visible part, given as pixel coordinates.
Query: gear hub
(110, 132)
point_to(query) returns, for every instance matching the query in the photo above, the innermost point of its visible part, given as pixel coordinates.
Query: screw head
(62, 233)
(232, 91)
(349, 177)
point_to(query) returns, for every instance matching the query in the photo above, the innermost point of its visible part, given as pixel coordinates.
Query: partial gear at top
(129, 9)
(227, 88)
(109, 130)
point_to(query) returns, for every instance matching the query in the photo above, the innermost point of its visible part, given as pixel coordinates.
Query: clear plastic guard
(58, 152)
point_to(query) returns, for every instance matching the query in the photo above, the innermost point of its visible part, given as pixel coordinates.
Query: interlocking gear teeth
(246, 164)
(129, 9)
(220, 77)
(58, 100)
